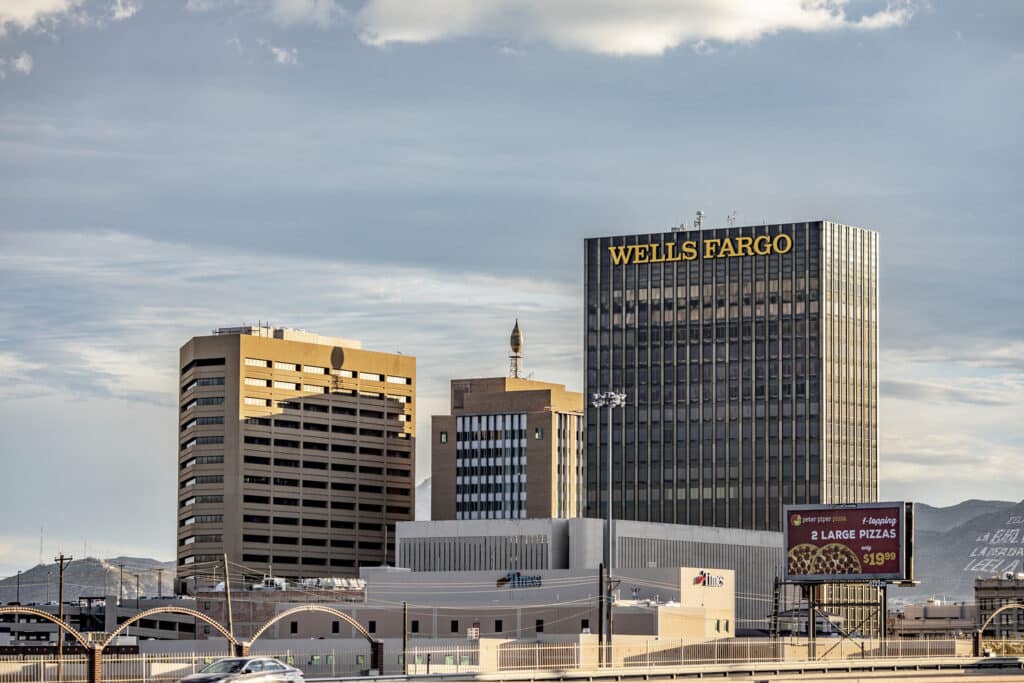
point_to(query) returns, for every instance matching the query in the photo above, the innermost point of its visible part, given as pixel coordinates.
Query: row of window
(313, 484)
(203, 382)
(321, 427)
(202, 441)
(203, 479)
(201, 500)
(201, 402)
(319, 370)
(334, 466)
(202, 363)
(312, 542)
(202, 460)
(321, 523)
(203, 420)
(317, 446)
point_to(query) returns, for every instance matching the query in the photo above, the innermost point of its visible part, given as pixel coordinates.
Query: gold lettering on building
(728, 247)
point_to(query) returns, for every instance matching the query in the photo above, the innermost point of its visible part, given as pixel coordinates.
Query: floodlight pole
(609, 399)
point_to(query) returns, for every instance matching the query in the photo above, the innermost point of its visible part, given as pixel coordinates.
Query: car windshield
(225, 666)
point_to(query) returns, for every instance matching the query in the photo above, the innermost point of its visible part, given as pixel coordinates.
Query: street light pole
(609, 399)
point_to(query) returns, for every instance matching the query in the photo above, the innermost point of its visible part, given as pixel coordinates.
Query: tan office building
(296, 453)
(512, 448)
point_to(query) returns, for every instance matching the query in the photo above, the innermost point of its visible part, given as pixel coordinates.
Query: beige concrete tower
(296, 453)
(510, 449)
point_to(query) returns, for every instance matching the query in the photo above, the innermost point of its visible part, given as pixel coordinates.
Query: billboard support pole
(811, 621)
(883, 625)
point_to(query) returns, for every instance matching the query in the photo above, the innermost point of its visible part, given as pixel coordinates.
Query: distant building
(512, 448)
(935, 619)
(296, 453)
(996, 592)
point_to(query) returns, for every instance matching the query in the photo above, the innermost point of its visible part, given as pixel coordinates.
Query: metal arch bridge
(94, 651)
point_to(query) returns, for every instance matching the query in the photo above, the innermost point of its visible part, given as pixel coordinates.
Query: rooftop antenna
(516, 357)
(731, 219)
(698, 222)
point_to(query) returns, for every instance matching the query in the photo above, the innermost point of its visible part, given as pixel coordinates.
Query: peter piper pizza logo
(796, 520)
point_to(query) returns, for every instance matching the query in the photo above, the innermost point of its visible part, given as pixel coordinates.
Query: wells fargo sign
(625, 254)
(860, 542)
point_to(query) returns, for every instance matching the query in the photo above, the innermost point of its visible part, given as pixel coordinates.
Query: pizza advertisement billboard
(857, 542)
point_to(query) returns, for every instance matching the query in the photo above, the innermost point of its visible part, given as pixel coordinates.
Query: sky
(419, 175)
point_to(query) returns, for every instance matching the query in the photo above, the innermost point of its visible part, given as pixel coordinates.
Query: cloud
(134, 301)
(318, 12)
(28, 14)
(14, 367)
(21, 64)
(124, 9)
(928, 392)
(614, 27)
(285, 55)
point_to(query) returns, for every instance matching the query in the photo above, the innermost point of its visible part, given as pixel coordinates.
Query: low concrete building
(538, 605)
(935, 619)
(575, 545)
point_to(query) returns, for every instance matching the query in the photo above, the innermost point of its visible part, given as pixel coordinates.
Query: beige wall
(354, 478)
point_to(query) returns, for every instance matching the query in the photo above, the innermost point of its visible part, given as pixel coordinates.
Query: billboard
(855, 542)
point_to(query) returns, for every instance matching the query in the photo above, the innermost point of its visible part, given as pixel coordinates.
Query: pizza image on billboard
(858, 542)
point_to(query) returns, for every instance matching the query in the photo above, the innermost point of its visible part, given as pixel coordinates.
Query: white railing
(448, 659)
(495, 656)
(42, 669)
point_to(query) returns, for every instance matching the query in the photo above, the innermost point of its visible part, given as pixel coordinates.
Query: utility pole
(405, 638)
(18, 599)
(120, 586)
(601, 597)
(60, 612)
(610, 400)
(138, 594)
(47, 586)
(227, 596)
(160, 582)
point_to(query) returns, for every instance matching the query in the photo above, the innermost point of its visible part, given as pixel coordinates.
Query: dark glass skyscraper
(750, 359)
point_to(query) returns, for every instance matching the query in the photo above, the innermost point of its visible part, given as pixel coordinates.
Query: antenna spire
(516, 357)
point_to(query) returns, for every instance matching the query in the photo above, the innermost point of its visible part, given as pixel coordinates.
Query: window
(314, 389)
(443, 438)
(335, 627)
(315, 369)
(372, 376)
(255, 382)
(294, 627)
(498, 626)
(455, 625)
(414, 626)
(286, 385)
(372, 627)
(250, 401)
(392, 379)
(538, 433)
(278, 365)
(202, 363)
(539, 626)
(585, 625)
(257, 362)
